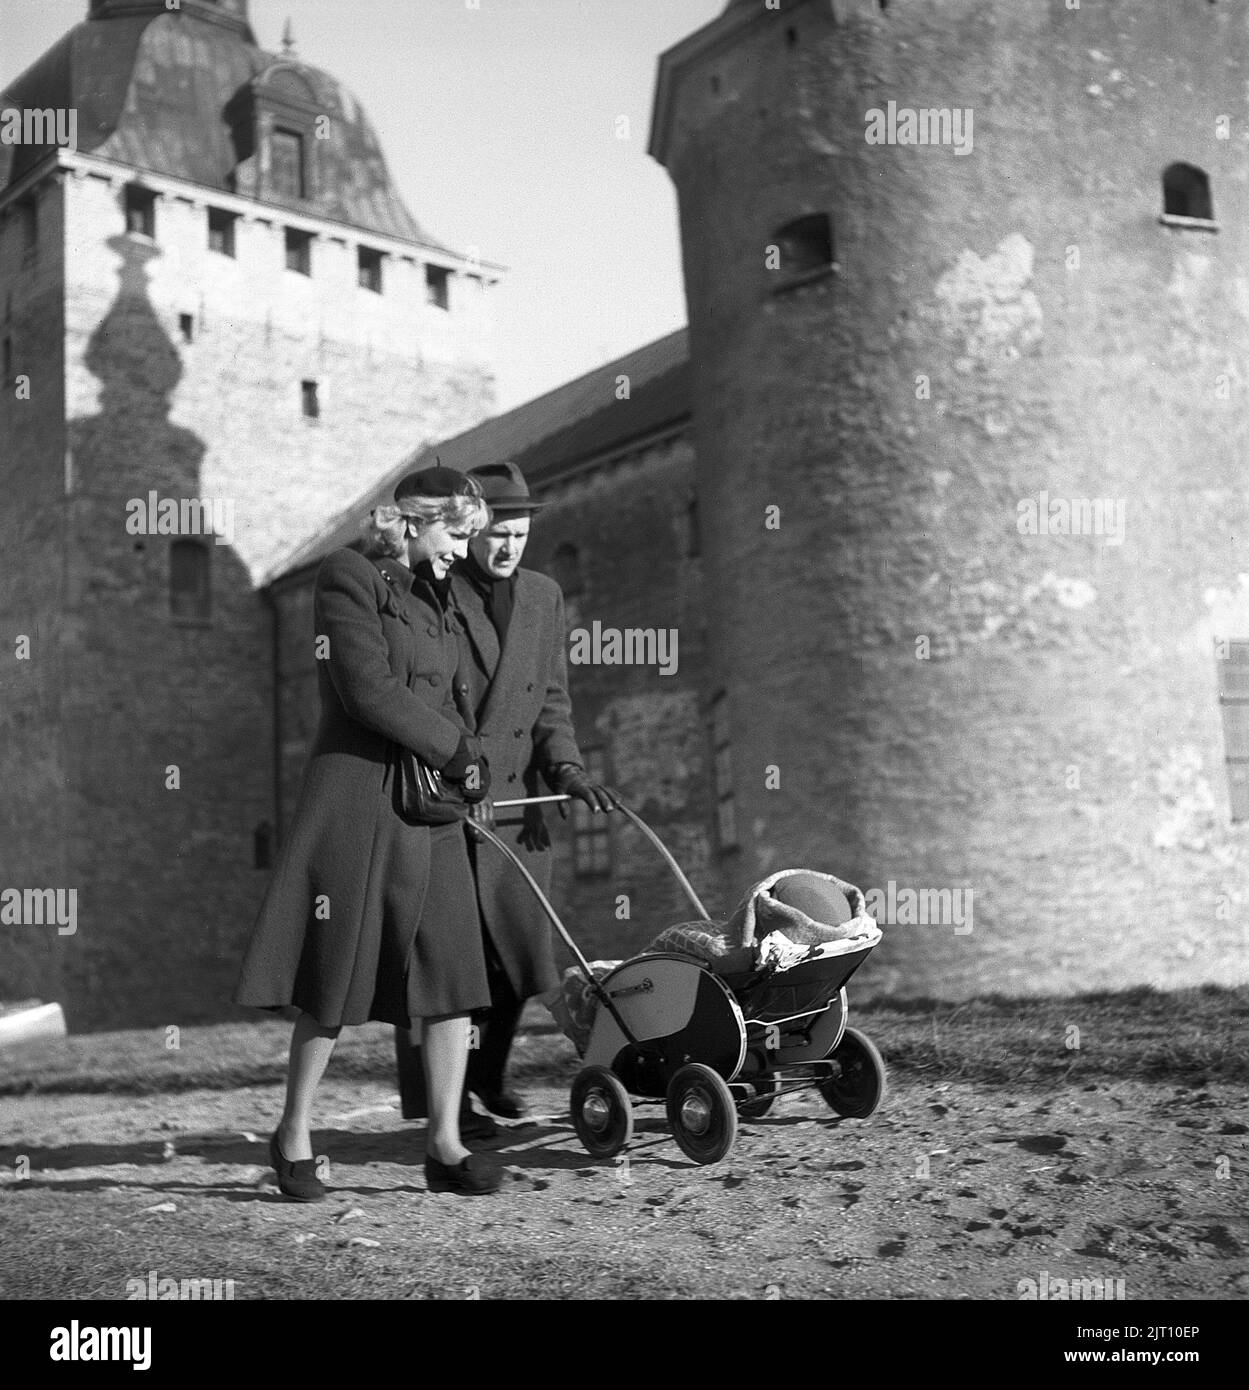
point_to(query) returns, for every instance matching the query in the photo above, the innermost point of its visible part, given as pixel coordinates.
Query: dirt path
(1126, 1181)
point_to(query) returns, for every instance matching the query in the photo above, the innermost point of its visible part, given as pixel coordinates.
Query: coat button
(529, 686)
(511, 776)
(434, 680)
(463, 688)
(518, 733)
(433, 631)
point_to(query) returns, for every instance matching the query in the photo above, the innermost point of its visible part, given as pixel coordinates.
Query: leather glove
(534, 835)
(572, 781)
(469, 770)
(480, 813)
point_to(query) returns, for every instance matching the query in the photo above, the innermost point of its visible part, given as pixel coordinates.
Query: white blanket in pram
(785, 919)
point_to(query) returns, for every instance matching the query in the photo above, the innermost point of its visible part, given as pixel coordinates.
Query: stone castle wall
(922, 694)
(145, 759)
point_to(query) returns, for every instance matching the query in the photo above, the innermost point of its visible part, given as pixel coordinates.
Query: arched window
(1186, 193)
(190, 591)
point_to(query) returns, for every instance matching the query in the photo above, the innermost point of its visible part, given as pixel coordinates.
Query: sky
(502, 122)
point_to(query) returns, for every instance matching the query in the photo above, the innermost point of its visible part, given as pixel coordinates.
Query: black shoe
(297, 1180)
(505, 1104)
(477, 1129)
(473, 1176)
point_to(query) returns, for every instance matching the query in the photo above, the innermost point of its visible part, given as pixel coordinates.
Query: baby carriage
(718, 1020)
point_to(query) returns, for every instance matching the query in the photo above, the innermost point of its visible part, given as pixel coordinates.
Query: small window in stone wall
(1186, 200)
(221, 231)
(722, 773)
(298, 251)
(438, 286)
(30, 228)
(591, 830)
(140, 211)
(310, 400)
(190, 588)
(801, 250)
(693, 531)
(262, 846)
(1233, 671)
(565, 569)
(186, 327)
(369, 264)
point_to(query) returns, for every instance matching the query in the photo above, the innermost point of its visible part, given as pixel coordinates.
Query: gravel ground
(951, 1191)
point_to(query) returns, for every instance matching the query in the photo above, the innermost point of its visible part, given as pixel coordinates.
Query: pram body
(715, 1038)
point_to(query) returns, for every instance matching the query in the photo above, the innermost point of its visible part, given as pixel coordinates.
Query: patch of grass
(1140, 1034)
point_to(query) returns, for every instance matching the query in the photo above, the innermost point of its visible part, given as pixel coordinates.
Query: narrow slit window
(722, 773)
(186, 326)
(1233, 673)
(262, 846)
(310, 400)
(30, 228)
(565, 570)
(190, 593)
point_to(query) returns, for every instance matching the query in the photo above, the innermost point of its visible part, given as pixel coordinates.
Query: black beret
(436, 482)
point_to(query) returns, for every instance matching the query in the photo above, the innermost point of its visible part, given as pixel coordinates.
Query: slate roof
(550, 436)
(151, 91)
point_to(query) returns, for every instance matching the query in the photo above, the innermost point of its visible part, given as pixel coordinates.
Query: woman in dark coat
(368, 916)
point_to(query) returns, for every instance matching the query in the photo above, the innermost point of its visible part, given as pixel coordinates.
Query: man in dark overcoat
(512, 693)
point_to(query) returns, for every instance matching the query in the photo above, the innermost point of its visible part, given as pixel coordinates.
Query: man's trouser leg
(487, 1061)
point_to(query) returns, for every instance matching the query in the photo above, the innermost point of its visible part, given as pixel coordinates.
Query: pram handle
(686, 886)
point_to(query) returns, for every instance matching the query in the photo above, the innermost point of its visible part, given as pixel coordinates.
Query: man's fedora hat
(436, 482)
(504, 489)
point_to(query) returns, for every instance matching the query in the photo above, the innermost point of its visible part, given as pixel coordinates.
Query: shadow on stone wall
(167, 710)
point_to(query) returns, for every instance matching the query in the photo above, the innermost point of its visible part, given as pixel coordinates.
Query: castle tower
(211, 292)
(969, 328)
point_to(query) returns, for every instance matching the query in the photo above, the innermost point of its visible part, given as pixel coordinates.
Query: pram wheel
(701, 1113)
(860, 1087)
(766, 1089)
(602, 1113)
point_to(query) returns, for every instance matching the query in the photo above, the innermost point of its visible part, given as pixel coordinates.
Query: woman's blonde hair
(386, 533)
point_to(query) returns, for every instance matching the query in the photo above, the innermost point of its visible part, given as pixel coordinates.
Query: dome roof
(167, 91)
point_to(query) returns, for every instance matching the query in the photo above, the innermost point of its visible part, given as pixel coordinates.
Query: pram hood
(786, 902)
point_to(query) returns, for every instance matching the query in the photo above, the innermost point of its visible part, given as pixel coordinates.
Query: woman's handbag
(422, 795)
